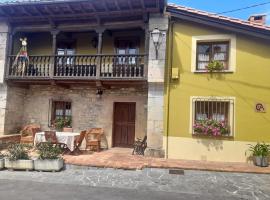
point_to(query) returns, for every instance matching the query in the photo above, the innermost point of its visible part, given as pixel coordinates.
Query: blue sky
(218, 6)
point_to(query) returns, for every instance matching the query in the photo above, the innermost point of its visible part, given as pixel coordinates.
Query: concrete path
(142, 184)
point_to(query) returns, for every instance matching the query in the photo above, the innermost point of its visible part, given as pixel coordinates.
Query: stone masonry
(156, 68)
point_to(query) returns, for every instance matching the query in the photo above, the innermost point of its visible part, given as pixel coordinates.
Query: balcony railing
(77, 67)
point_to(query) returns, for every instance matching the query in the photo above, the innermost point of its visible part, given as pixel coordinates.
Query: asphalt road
(27, 190)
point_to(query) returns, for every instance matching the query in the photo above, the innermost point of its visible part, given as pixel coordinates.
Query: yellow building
(213, 113)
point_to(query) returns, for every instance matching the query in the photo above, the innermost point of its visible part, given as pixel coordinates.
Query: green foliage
(1, 155)
(60, 123)
(215, 66)
(260, 149)
(48, 151)
(18, 152)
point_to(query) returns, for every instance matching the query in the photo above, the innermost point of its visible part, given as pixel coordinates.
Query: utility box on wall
(175, 73)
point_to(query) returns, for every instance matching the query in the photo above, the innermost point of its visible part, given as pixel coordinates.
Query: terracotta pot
(66, 129)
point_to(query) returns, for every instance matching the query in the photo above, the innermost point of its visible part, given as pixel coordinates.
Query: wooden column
(100, 32)
(54, 43)
(8, 52)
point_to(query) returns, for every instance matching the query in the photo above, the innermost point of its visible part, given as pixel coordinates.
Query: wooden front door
(124, 124)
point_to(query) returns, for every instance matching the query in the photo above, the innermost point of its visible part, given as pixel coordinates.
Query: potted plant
(49, 158)
(214, 66)
(17, 157)
(62, 124)
(260, 153)
(2, 161)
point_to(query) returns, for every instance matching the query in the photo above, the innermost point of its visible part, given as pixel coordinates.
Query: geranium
(211, 127)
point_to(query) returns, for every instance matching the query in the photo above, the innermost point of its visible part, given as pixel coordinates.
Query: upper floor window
(212, 51)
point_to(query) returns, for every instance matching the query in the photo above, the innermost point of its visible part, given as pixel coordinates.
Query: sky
(217, 6)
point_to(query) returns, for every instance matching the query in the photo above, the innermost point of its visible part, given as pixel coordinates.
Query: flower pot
(261, 161)
(66, 129)
(49, 165)
(2, 163)
(19, 164)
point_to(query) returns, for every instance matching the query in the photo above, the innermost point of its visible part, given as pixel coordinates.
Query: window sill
(220, 137)
(207, 72)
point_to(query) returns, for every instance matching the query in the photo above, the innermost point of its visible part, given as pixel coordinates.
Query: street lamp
(157, 37)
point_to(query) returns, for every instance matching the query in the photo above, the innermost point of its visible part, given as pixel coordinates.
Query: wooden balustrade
(77, 67)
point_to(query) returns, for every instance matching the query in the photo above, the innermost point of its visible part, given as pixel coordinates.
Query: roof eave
(219, 23)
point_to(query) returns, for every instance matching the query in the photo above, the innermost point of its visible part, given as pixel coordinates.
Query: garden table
(67, 138)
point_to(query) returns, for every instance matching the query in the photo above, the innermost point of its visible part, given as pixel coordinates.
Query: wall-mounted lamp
(157, 37)
(99, 93)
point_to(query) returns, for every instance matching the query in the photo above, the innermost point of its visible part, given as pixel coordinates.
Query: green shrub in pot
(17, 157)
(49, 158)
(260, 153)
(2, 162)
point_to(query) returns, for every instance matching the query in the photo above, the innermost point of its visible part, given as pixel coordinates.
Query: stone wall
(88, 110)
(156, 68)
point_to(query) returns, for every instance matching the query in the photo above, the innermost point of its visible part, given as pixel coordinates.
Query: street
(157, 184)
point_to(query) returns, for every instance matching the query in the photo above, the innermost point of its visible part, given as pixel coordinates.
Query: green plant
(60, 123)
(18, 152)
(211, 127)
(215, 66)
(48, 151)
(260, 149)
(1, 155)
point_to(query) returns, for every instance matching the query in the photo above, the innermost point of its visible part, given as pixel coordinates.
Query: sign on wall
(260, 107)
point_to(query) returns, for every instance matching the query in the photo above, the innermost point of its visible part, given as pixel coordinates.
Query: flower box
(19, 164)
(66, 129)
(49, 165)
(210, 127)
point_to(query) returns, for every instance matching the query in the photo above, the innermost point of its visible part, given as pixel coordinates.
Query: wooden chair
(140, 146)
(28, 134)
(93, 138)
(50, 136)
(78, 142)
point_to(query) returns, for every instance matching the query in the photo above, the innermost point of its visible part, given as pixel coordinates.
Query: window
(212, 116)
(61, 110)
(125, 47)
(212, 51)
(207, 48)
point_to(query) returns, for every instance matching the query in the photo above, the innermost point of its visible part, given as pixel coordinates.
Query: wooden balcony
(77, 68)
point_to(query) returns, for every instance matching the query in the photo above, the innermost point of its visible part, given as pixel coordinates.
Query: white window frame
(231, 100)
(214, 38)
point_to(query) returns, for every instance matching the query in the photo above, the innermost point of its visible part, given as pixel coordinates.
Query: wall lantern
(157, 37)
(99, 93)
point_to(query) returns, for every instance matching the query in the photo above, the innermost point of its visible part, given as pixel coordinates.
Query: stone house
(91, 61)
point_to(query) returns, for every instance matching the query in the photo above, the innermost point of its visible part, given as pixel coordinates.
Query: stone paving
(223, 185)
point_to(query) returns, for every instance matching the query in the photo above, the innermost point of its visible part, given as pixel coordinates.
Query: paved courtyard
(140, 184)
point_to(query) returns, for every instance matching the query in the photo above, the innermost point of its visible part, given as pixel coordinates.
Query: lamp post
(157, 37)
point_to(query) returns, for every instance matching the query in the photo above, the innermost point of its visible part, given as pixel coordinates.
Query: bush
(1, 155)
(48, 151)
(18, 152)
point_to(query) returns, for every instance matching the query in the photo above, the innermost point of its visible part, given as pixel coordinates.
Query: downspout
(168, 88)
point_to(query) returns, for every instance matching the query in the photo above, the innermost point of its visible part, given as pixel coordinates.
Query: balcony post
(100, 32)
(54, 33)
(146, 47)
(9, 52)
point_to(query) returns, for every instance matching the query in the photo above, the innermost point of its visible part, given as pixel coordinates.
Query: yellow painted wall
(249, 84)
(41, 43)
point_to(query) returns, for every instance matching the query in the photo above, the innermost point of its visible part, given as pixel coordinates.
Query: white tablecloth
(67, 138)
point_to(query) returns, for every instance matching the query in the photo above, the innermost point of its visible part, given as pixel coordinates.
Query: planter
(261, 161)
(66, 129)
(49, 165)
(2, 163)
(19, 164)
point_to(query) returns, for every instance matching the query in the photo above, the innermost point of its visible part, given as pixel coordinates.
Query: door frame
(113, 125)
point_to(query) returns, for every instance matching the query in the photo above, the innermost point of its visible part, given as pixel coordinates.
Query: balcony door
(127, 47)
(65, 60)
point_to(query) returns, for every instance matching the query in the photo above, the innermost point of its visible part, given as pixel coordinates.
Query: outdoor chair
(140, 146)
(50, 136)
(28, 134)
(78, 142)
(93, 138)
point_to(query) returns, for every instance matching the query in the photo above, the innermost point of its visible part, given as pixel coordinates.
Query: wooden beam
(117, 5)
(129, 4)
(142, 3)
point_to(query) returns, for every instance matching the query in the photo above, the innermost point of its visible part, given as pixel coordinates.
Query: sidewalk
(120, 158)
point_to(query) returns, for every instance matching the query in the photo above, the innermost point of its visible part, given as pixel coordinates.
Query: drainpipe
(168, 88)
